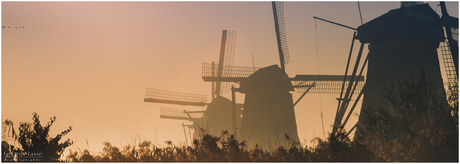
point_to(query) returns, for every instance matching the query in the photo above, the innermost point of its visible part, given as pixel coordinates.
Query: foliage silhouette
(339, 147)
(415, 123)
(34, 138)
(422, 125)
(226, 148)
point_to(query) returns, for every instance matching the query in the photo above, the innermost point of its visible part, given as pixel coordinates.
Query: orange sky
(89, 63)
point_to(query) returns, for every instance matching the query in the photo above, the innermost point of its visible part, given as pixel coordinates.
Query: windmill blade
(278, 14)
(231, 75)
(450, 22)
(178, 98)
(325, 87)
(177, 114)
(327, 84)
(449, 48)
(227, 51)
(449, 66)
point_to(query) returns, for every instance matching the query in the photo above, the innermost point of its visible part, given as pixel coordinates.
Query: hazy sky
(89, 63)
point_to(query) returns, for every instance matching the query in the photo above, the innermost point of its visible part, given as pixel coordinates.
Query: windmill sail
(177, 114)
(179, 98)
(227, 51)
(450, 24)
(330, 84)
(278, 14)
(199, 120)
(448, 61)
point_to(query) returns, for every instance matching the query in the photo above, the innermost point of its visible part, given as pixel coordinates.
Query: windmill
(396, 49)
(211, 119)
(259, 123)
(178, 98)
(198, 120)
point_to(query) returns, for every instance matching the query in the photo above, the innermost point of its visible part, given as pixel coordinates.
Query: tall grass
(225, 148)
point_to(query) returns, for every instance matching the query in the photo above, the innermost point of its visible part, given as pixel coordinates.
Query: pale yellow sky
(89, 63)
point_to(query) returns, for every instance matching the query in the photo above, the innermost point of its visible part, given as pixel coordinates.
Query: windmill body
(401, 43)
(219, 114)
(269, 112)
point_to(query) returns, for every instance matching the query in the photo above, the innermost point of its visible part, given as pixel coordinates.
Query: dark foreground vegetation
(423, 128)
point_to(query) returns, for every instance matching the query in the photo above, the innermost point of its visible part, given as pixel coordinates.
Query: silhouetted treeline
(225, 148)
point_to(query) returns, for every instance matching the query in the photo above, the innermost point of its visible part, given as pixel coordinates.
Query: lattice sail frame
(282, 30)
(232, 71)
(229, 54)
(170, 97)
(327, 87)
(447, 58)
(165, 111)
(448, 63)
(451, 74)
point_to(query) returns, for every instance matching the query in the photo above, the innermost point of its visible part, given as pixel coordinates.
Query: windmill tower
(269, 112)
(401, 41)
(269, 109)
(402, 50)
(215, 118)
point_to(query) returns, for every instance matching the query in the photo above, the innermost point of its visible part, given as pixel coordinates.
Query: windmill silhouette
(401, 41)
(215, 118)
(266, 119)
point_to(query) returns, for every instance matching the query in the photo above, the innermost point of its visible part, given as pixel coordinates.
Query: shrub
(421, 125)
(34, 138)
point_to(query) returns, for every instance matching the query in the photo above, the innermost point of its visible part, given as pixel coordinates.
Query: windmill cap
(419, 23)
(221, 105)
(268, 79)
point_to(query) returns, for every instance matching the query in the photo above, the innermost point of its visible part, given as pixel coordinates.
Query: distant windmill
(266, 119)
(214, 119)
(178, 98)
(401, 41)
(216, 122)
(195, 117)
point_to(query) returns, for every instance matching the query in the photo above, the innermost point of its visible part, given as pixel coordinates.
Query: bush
(422, 126)
(226, 148)
(34, 138)
(415, 123)
(338, 147)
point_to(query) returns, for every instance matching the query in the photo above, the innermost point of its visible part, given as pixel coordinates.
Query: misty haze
(229, 81)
